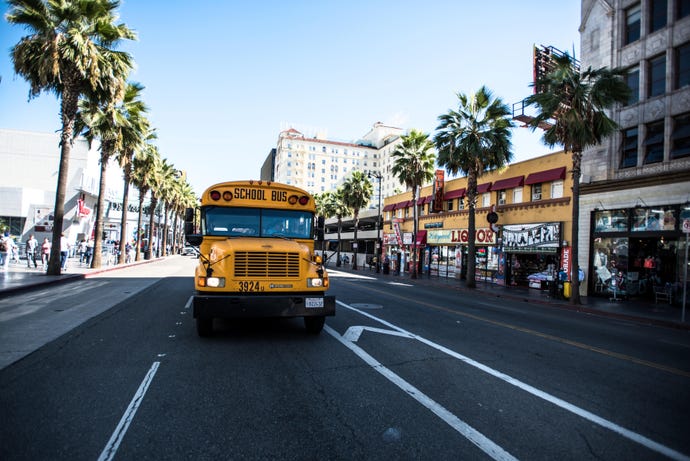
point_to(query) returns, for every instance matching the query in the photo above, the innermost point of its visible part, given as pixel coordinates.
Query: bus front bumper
(238, 306)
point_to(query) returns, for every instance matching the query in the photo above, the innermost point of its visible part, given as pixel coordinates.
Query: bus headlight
(314, 283)
(212, 282)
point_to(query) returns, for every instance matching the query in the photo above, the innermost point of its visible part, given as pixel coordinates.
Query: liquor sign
(532, 238)
(437, 197)
(396, 228)
(483, 236)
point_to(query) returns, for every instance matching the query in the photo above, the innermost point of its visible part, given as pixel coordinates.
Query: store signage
(483, 236)
(565, 260)
(433, 225)
(532, 238)
(396, 228)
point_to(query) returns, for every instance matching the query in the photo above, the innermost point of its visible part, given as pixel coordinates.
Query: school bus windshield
(256, 222)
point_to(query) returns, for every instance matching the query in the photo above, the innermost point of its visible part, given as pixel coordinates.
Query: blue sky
(223, 77)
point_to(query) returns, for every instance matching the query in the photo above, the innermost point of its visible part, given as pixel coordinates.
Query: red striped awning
(546, 176)
(389, 207)
(508, 183)
(423, 200)
(421, 237)
(454, 194)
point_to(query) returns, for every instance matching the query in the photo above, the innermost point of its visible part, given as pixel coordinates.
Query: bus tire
(314, 325)
(204, 326)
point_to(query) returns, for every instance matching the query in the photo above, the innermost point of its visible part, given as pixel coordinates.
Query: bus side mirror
(320, 225)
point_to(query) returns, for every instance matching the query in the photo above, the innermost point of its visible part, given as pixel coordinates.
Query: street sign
(686, 226)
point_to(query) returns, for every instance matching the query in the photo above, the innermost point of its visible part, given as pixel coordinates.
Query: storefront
(531, 254)
(639, 251)
(447, 251)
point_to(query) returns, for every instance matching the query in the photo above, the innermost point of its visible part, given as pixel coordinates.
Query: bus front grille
(266, 264)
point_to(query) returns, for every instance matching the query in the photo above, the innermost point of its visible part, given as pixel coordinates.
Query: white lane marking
(400, 284)
(628, 434)
(189, 302)
(353, 333)
(470, 433)
(119, 433)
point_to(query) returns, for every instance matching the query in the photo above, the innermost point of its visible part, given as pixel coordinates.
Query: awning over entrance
(546, 176)
(421, 237)
(508, 183)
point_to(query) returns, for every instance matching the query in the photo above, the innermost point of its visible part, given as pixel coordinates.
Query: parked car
(188, 250)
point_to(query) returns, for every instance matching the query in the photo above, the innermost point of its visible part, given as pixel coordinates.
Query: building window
(486, 200)
(632, 24)
(517, 195)
(682, 8)
(656, 85)
(557, 189)
(654, 143)
(501, 197)
(632, 78)
(680, 138)
(536, 192)
(449, 205)
(682, 66)
(461, 203)
(629, 148)
(657, 14)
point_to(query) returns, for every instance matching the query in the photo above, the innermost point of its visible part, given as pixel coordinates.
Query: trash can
(566, 290)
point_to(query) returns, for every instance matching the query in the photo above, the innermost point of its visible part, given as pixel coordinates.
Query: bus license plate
(314, 302)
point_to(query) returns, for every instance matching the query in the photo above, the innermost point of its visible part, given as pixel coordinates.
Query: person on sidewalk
(45, 253)
(31, 250)
(64, 251)
(6, 247)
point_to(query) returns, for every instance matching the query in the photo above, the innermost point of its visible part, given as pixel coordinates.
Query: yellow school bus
(256, 255)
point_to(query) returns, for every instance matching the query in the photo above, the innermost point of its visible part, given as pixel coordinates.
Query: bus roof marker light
(303, 200)
(215, 195)
(292, 199)
(227, 196)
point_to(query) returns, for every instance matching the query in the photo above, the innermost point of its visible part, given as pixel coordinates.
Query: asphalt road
(401, 372)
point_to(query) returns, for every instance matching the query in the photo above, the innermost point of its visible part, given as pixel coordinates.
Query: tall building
(318, 165)
(636, 184)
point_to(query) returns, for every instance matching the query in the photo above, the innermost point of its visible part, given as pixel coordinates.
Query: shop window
(536, 192)
(632, 78)
(656, 83)
(629, 148)
(680, 138)
(517, 195)
(611, 221)
(654, 219)
(682, 73)
(654, 143)
(557, 189)
(632, 24)
(657, 14)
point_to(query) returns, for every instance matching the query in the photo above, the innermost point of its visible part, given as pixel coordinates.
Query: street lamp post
(379, 177)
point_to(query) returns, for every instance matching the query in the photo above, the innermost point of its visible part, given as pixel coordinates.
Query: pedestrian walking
(64, 251)
(45, 253)
(81, 251)
(31, 250)
(6, 246)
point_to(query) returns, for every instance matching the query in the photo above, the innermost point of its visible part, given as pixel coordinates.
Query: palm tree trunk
(415, 224)
(140, 219)
(96, 261)
(471, 230)
(69, 110)
(123, 219)
(152, 213)
(574, 266)
(354, 257)
(164, 244)
(340, 229)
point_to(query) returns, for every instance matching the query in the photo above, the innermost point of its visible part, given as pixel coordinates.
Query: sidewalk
(635, 310)
(19, 277)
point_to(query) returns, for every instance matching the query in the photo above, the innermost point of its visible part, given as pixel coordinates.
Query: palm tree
(69, 51)
(356, 193)
(104, 120)
(413, 165)
(166, 193)
(134, 137)
(573, 105)
(142, 167)
(474, 140)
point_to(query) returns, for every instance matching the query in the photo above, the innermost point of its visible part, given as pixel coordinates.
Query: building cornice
(635, 182)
